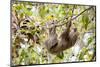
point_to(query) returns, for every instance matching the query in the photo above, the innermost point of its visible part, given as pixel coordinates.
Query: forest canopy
(30, 24)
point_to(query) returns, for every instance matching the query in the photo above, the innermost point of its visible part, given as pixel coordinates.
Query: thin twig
(66, 15)
(73, 11)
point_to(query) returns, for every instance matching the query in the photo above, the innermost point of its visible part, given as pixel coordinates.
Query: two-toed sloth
(66, 40)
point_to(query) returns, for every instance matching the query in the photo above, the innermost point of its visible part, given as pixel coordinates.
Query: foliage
(29, 32)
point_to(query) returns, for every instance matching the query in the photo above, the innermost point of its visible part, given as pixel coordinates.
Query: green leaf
(90, 40)
(85, 21)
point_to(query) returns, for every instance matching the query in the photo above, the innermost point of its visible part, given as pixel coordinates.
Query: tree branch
(74, 17)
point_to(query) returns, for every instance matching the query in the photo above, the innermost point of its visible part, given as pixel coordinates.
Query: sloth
(66, 40)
